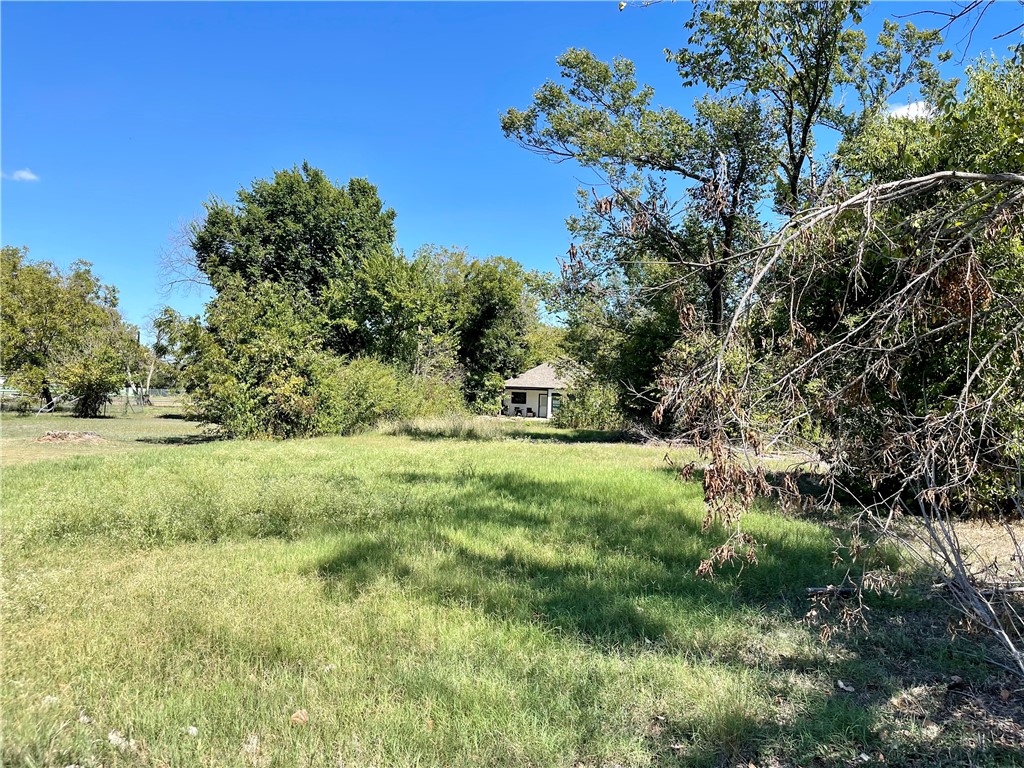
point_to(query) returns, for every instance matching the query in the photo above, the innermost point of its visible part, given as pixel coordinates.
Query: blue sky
(130, 115)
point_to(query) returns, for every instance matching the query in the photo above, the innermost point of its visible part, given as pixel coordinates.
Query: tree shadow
(356, 566)
(497, 431)
(618, 574)
(568, 435)
(569, 558)
(180, 439)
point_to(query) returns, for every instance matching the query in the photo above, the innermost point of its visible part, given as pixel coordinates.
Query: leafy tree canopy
(660, 252)
(59, 328)
(296, 228)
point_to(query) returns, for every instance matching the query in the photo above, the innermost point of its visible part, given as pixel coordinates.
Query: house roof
(542, 376)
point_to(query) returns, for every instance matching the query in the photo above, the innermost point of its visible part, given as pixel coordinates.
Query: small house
(536, 393)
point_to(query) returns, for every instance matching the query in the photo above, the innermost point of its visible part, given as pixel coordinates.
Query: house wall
(532, 400)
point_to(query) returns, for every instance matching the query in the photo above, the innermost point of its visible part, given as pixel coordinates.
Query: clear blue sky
(130, 115)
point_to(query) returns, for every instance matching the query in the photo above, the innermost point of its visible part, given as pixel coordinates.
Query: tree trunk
(149, 375)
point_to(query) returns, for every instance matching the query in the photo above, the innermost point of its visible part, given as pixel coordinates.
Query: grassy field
(435, 595)
(22, 438)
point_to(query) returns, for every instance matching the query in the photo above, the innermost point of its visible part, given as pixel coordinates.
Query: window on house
(518, 398)
(556, 403)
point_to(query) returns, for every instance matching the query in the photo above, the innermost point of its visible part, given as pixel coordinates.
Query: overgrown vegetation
(439, 323)
(524, 600)
(426, 586)
(876, 325)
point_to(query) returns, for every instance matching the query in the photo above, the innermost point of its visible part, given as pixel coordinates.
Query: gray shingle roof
(542, 376)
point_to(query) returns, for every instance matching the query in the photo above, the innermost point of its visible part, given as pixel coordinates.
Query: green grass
(19, 434)
(522, 597)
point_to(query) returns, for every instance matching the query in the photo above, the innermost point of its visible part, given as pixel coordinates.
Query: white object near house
(536, 393)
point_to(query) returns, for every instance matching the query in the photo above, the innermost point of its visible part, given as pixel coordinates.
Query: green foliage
(800, 58)
(492, 314)
(258, 369)
(92, 378)
(589, 403)
(370, 392)
(56, 324)
(487, 393)
(544, 344)
(621, 330)
(297, 228)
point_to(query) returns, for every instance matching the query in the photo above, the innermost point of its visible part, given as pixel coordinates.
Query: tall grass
(427, 600)
(468, 427)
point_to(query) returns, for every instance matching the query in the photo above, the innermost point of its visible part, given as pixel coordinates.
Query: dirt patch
(63, 436)
(988, 713)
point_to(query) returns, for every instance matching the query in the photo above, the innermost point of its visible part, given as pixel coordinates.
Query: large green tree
(477, 313)
(60, 329)
(494, 314)
(663, 249)
(805, 60)
(296, 228)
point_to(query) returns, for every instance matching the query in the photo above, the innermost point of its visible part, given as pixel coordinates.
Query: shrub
(92, 378)
(589, 404)
(259, 369)
(370, 391)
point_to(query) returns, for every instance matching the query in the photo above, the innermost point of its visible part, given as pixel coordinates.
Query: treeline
(318, 323)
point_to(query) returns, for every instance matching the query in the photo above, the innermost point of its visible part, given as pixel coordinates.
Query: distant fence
(129, 392)
(158, 398)
(13, 400)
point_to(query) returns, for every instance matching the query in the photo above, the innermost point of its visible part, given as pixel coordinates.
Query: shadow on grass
(614, 568)
(180, 439)
(613, 571)
(496, 431)
(568, 435)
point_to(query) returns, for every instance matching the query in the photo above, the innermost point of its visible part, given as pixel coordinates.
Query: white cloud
(23, 175)
(915, 110)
